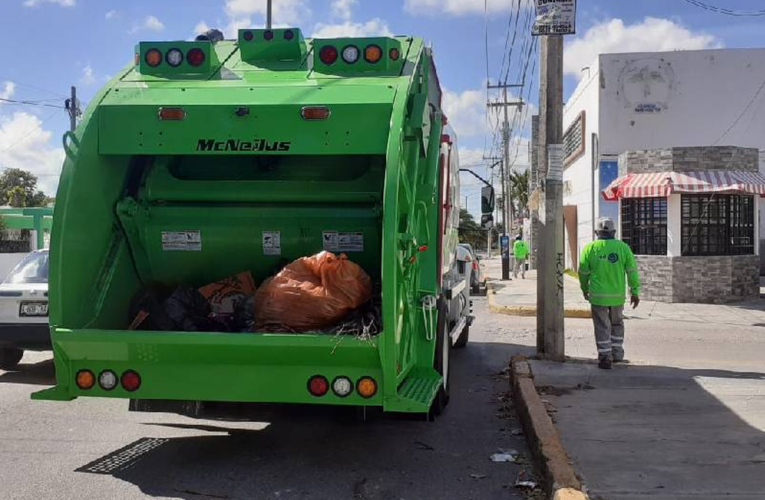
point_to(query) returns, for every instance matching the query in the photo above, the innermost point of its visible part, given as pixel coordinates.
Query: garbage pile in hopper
(323, 293)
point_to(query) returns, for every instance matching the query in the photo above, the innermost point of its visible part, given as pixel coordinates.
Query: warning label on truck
(272, 243)
(336, 241)
(182, 241)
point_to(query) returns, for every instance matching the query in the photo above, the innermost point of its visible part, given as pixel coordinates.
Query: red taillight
(171, 114)
(314, 112)
(446, 139)
(475, 265)
(248, 36)
(394, 54)
(196, 57)
(328, 55)
(318, 385)
(130, 381)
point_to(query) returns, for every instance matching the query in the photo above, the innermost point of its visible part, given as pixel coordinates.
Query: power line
(31, 103)
(724, 11)
(751, 102)
(25, 135)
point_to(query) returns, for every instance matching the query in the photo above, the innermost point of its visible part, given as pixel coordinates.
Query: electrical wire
(31, 103)
(25, 135)
(749, 105)
(724, 11)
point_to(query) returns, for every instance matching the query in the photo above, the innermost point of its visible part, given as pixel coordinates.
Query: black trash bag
(183, 310)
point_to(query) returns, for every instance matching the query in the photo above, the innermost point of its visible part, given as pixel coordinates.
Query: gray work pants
(519, 265)
(609, 331)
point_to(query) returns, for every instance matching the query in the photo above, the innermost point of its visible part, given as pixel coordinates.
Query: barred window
(644, 225)
(717, 224)
(573, 140)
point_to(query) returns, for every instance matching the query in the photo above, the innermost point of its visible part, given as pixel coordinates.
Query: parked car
(24, 309)
(477, 278)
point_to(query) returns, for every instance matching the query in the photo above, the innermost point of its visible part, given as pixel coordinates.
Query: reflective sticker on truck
(272, 243)
(182, 241)
(336, 241)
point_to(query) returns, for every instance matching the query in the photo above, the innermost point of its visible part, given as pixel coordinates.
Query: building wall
(578, 176)
(713, 280)
(665, 99)
(689, 159)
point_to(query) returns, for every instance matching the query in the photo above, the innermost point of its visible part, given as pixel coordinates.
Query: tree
(470, 231)
(18, 188)
(519, 193)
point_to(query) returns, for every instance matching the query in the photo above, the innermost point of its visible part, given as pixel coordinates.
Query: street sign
(487, 221)
(555, 17)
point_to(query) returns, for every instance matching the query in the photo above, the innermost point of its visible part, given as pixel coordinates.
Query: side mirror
(487, 221)
(487, 200)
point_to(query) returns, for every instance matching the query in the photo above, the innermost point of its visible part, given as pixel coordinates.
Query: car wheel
(9, 358)
(462, 340)
(441, 362)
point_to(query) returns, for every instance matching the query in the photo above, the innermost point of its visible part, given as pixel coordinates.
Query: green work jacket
(520, 249)
(602, 269)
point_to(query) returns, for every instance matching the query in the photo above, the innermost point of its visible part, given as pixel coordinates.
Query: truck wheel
(441, 361)
(462, 340)
(9, 358)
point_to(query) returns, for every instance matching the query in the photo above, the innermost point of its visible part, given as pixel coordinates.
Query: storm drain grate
(124, 458)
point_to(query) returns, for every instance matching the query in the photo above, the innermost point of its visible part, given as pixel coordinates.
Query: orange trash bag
(311, 292)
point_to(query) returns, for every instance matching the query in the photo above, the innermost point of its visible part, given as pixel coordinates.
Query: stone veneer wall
(710, 280)
(688, 159)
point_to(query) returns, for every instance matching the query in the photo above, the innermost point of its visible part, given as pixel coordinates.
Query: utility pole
(268, 14)
(550, 333)
(72, 106)
(507, 214)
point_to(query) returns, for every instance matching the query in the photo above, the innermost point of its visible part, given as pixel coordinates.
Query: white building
(640, 101)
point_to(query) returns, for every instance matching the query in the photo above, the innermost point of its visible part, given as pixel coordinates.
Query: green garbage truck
(205, 158)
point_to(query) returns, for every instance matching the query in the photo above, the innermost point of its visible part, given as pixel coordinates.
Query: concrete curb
(531, 310)
(558, 475)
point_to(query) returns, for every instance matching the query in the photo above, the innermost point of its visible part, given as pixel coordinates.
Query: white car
(24, 309)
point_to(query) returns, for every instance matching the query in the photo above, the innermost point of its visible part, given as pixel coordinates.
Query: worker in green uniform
(521, 253)
(602, 269)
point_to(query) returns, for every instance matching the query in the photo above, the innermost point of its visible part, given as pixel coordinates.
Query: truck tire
(462, 340)
(9, 358)
(441, 361)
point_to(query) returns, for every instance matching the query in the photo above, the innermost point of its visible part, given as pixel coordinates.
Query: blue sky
(52, 44)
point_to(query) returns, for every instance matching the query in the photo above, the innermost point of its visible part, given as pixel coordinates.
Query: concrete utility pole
(72, 106)
(550, 333)
(268, 14)
(507, 212)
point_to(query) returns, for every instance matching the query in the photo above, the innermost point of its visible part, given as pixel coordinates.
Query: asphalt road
(96, 449)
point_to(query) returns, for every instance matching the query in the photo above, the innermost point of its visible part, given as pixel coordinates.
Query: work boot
(605, 362)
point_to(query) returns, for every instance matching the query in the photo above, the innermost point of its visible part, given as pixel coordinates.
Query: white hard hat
(605, 225)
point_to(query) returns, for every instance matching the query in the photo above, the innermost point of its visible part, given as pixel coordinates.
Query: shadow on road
(323, 452)
(40, 373)
(661, 431)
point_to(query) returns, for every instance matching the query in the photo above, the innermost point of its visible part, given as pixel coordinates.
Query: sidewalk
(518, 297)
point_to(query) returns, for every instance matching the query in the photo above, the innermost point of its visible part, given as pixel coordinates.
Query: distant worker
(521, 251)
(602, 269)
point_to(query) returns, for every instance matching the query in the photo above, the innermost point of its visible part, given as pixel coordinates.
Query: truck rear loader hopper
(191, 157)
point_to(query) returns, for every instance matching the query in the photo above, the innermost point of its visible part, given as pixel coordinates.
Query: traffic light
(487, 200)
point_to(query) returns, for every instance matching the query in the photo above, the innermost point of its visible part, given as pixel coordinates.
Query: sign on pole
(555, 154)
(555, 17)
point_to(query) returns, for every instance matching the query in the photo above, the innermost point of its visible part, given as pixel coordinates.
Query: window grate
(717, 224)
(644, 225)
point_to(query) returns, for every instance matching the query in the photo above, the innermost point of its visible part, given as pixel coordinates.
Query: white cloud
(111, 14)
(7, 91)
(88, 76)
(284, 11)
(151, 23)
(613, 36)
(63, 3)
(200, 28)
(342, 9)
(466, 112)
(456, 7)
(25, 144)
(373, 27)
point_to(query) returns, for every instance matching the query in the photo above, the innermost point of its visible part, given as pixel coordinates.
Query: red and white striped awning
(663, 184)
